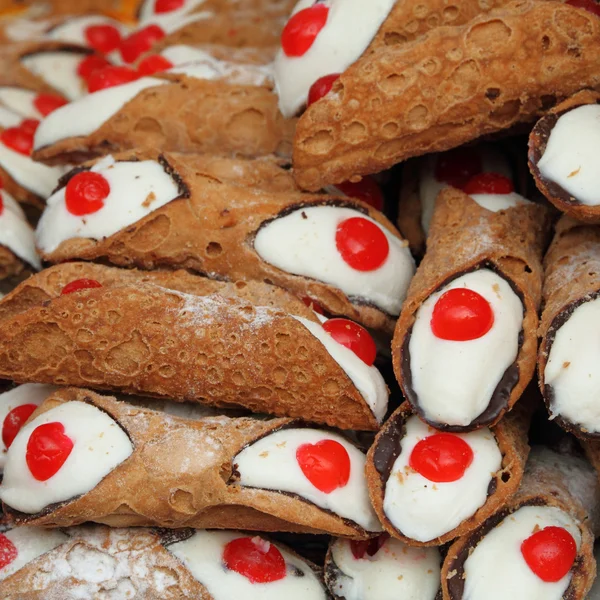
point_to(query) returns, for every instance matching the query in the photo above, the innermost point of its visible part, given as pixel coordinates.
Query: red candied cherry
(590, 5)
(489, 183)
(18, 139)
(140, 41)
(441, 458)
(154, 63)
(8, 551)
(110, 77)
(255, 559)
(457, 166)
(47, 450)
(325, 464)
(29, 125)
(369, 547)
(1, 201)
(461, 315)
(550, 553)
(86, 192)
(313, 304)
(362, 244)
(367, 190)
(90, 64)
(80, 284)
(321, 87)
(302, 29)
(103, 38)
(14, 421)
(47, 103)
(354, 337)
(167, 6)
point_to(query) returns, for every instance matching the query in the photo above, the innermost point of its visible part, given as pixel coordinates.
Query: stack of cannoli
(288, 306)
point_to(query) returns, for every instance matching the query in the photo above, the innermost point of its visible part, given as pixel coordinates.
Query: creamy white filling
(28, 393)
(99, 446)
(33, 176)
(201, 65)
(571, 158)
(454, 380)
(20, 101)
(136, 190)
(497, 202)
(147, 11)
(351, 26)
(9, 118)
(59, 70)
(396, 572)
(496, 569)
(72, 30)
(20, 30)
(367, 379)
(30, 543)
(424, 510)
(202, 555)
(493, 161)
(572, 368)
(16, 233)
(86, 115)
(271, 464)
(303, 243)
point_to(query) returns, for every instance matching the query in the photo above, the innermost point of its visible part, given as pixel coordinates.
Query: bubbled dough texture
(451, 86)
(184, 465)
(567, 482)
(573, 257)
(212, 231)
(136, 337)
(463, 235)
(511, 433)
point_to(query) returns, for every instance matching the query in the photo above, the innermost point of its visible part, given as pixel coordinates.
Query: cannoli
(213, 116)
(18, 255)
(152, 564)
(36, 9)
(429, 487)
(563, 157)
(154, 334)
(341, 253)
(265, 475)
(448, 88)
(323, 39)
(382, 568)
(423, 179)
(465, 344)
(567, 358)
(539, 546)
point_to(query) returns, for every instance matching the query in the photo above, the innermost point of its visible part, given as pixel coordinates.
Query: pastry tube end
(497, 254)
(480, 488)
(562, 157)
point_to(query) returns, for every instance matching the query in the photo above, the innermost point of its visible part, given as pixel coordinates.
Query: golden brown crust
(212, 232)
(447, 88)
(205, 344)
(571, 276)
(511, 436)
(546, 484)
(186, 469)
(538, 139)
(462, 236)
(213, 116)
(10, 264)
(409, 208)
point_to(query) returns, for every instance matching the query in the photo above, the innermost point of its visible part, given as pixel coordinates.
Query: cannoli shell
(511, 435)
(137, 337)
(211, 231)
(571, 277)
(538, 139)
(211, 116)
(445, 89)
(463, 236)
(10, 264)
(547, 482)
(183, 485)
(49, 8)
